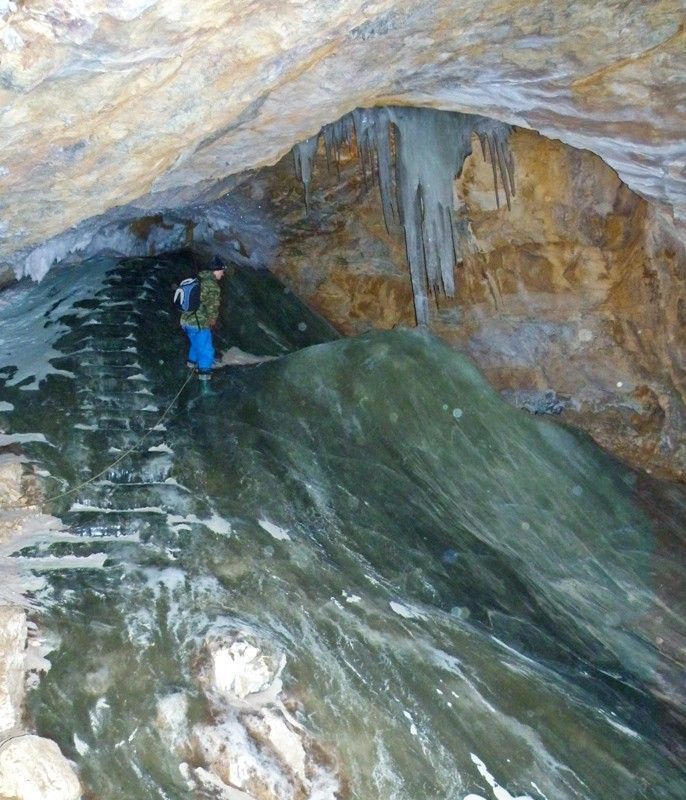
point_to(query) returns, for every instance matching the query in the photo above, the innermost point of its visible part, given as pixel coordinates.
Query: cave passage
(461, 597)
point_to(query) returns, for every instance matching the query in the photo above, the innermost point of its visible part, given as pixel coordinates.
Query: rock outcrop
(31, 767)
(253, 748)
(158, 104)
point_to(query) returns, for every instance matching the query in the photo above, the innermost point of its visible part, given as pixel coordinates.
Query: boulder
(33, 768)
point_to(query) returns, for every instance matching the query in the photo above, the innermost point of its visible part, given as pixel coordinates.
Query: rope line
(129, 451)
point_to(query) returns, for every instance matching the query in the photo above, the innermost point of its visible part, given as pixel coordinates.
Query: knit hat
(217, 264)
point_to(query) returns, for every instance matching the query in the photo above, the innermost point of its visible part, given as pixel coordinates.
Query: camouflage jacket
(208, 310)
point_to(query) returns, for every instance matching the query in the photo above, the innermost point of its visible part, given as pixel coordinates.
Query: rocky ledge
(158, 104)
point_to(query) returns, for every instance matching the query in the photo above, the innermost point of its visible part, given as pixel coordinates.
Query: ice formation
(303, 155)
(415, 154)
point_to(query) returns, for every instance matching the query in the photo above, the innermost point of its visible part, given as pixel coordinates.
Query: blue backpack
(187, 296)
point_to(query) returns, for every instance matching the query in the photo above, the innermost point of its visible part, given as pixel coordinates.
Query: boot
(204, 378)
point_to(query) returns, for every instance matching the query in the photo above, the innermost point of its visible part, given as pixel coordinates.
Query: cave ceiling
(157, 103)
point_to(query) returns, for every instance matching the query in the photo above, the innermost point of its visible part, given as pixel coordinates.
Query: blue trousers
(202, 349)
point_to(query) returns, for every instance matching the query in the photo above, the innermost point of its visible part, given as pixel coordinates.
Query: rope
(129, 451)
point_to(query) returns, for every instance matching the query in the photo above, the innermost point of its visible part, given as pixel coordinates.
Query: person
(197, 325)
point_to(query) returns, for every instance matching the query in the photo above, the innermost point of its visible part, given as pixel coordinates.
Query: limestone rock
(33, 768)
(12, 648)
(152, 102)
(253, 748)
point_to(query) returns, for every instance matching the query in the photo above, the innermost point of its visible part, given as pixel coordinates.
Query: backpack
(187, 296)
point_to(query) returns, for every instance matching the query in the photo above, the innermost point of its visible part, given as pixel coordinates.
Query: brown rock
(578, 290)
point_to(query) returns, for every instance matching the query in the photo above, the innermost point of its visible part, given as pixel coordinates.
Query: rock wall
(573, 302)
(31, 767)
(157, 103)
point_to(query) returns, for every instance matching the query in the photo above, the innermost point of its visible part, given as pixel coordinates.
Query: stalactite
(415, 154)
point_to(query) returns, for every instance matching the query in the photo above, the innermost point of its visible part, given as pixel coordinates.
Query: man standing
(198, 324)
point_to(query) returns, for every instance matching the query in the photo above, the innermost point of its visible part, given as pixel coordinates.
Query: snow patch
(240, 670)
(160, 448)
(11, 39)
(218, 525)
(22, 438)
(406, 611)
(498, 791)
(30, 320)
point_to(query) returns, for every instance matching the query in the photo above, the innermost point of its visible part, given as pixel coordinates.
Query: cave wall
(572, 302)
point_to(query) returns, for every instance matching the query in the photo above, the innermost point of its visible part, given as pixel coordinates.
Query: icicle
(494, 164)
(496, 135)
(372, 131)
(482, 140)
(431, 147)
(303, 157)
(335, 136)
(509, 162)
(364, 122)
(412, 214)
(384, 158)
(344, 130)
(503, 174)
(331, 150)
